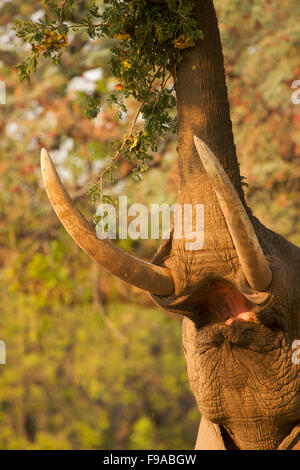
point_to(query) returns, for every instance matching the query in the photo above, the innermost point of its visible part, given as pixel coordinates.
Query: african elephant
(240, 295)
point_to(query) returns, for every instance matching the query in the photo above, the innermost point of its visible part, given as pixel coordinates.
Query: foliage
(150, 37)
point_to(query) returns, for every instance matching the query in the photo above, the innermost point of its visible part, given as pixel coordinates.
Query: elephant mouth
(226, 305)
(226, 322)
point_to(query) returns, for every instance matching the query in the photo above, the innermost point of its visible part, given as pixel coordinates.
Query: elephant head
(240, 294)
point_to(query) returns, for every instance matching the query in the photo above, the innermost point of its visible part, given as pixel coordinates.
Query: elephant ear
(146, 276)
(251, 256)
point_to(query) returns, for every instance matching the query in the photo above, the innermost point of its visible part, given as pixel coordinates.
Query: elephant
(238, 296)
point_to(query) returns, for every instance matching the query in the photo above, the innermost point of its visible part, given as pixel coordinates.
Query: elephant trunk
(203, 111)
(203, 107)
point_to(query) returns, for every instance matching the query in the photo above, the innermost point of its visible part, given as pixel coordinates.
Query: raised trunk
(203, 110)
(203, 107)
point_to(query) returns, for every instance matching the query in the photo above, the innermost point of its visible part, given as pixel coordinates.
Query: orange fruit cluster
(122, 36)
(119, 86)
(51, 39)
(183, 43)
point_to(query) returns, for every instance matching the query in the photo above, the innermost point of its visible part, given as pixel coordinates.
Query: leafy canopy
(150, 36)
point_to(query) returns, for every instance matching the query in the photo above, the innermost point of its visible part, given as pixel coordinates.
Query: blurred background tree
(91, 363)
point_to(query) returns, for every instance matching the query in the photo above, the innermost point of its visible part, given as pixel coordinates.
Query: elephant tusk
(155, 279)
(251, 256)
